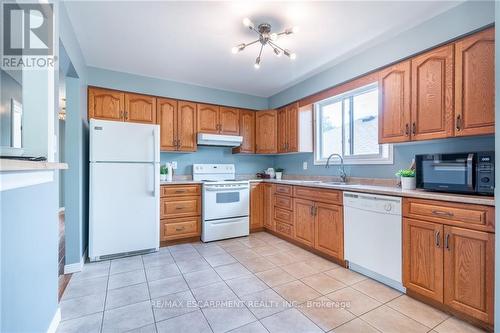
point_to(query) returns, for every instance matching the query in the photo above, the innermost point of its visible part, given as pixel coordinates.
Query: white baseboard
(55, 322)
(77, 266)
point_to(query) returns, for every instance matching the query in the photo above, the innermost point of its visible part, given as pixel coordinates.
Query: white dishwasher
(372, 236)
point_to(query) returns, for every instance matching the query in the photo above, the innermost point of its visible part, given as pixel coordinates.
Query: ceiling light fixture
(266, 38)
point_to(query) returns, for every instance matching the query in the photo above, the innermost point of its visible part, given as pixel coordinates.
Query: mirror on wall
(11, 113)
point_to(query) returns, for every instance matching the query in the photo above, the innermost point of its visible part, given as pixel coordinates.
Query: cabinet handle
(121, 114)
(180, 191)
(447, 242)
(442, 213)
(178, 144)
(437, 238)
(459, 123)
(312, 211)
(414, 128)
(180, 228)
(174, 143)
(179, 207)
(407, 130)
(126, 115)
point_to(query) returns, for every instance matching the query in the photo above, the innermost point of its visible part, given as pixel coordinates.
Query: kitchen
(353, 196)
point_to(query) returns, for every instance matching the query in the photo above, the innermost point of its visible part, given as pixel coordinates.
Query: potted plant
(163, 173)
(279, 173)
(408, 181)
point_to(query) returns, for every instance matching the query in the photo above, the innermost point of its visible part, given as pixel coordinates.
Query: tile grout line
(105, 298)
(149, 293)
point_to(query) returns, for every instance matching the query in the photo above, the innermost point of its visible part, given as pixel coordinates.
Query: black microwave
(472, 173)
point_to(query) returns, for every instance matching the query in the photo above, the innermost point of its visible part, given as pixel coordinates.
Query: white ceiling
(191, 41)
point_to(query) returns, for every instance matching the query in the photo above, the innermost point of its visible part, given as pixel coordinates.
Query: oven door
(225, 201)
(446, 172)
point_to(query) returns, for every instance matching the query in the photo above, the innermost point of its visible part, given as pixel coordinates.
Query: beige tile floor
(255, 284)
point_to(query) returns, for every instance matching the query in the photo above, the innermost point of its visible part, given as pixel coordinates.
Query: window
(347, 125)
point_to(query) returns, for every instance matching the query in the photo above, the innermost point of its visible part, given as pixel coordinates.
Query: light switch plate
(174, 165)
(304, 165)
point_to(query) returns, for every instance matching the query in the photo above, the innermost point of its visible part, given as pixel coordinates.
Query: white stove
(226, 200)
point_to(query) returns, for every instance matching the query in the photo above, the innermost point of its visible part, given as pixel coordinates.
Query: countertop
(10, 165)
(373, 189)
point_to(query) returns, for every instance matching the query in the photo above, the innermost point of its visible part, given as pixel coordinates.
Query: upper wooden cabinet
(177, 120)
(140, 108)
(218, 120)
(475, 84)
(266, 138)
(105, 104)
(394, 103)
(208, 118)
(295, 129)
(432, 94)
(229, 121)
(247, 131)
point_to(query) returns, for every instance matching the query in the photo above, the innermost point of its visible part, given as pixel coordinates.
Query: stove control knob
(388, 207)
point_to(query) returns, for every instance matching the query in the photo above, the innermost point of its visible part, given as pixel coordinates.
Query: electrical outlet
(174, 165)
(304, 165)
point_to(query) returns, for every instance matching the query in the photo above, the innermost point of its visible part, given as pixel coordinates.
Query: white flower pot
(279, 175)
(163, 177)
(408, 183)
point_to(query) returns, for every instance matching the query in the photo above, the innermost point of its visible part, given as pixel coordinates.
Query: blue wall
(165, 88)
(460, 20)
(403, 155)
(245, 164)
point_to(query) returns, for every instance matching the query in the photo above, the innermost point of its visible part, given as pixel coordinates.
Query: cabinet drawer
(284, 229)
(283, 215)
(181, 207)
(283, 189)
(179, 190)
(179, 228)
(470, 216)
(283, 202)
(318, 194)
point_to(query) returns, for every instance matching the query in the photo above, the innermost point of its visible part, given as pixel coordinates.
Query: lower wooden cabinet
(329, 229)
(256, 206)
(268, 206)
(180, 212)
(304, 221)
(450, 264)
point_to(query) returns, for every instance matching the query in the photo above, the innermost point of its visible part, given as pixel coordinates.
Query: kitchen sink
(304, 181)
(335, 183)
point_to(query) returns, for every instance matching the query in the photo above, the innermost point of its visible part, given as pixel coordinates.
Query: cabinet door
(247, 131)
(304, 221)
(394, 103)
(423, 258)
(208, 118)
(268, 206)
(468, 272)
(282, 129)
(229, 121)
(266, 139)
(292, 118)
(186, 126)
(329, 229)
(256, 206)
(166, 117)
(140, 108)
(475, 84)
(106, 104)
(432, 94)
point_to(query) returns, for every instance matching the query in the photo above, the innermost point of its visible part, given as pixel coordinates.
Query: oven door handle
(470, 160)
(220, 189)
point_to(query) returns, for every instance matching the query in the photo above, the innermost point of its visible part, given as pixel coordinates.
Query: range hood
(206, 139)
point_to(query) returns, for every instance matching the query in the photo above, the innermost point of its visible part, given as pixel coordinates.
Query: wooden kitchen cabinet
(423, 258)
(295, 129)
(268, 206)
(256, 206)
(105, 104)
(218, 119)
(394, 103)
(329, 229)
(229, 121)
(247, 131)
(140, 108)
(304, 211)
(177, 120)
(475, 84)
(432, 94)
(266, 138)
(469, 272)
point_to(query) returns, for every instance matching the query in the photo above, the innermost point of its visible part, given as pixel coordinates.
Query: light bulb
(247, 23)
(234, 50)
(293, 56)
(277, 52)
(257, 63)
(295, 29)
(273, 36)
(238, 48)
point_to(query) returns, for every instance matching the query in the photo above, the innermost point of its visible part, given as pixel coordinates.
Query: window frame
(386, 151)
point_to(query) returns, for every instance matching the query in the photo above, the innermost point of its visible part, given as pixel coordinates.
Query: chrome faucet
(342, 174)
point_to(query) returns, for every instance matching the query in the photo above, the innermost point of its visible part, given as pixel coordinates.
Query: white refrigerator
(124, 188)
